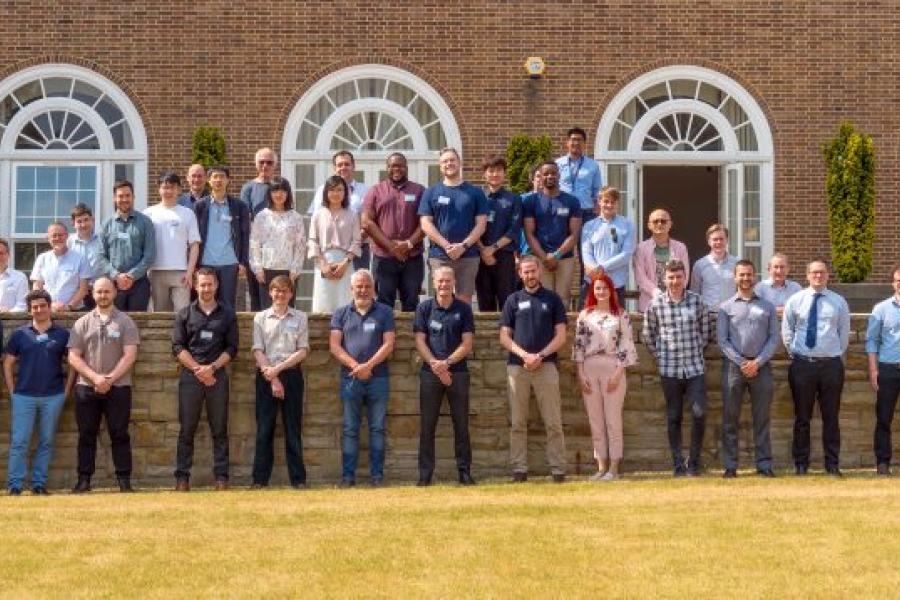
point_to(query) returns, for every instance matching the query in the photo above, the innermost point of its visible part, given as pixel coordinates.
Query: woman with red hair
(603, 348)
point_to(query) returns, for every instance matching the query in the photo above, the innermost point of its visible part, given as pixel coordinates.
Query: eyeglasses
(265, 162)
(659, 221)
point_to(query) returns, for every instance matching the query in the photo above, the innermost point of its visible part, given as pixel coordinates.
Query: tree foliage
(522, 154)
(850, 191)
(208, 147)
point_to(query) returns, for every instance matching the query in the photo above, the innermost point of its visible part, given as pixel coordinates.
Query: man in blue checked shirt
(816, 332)
(676, 331)
(607, 244)
(883, 348)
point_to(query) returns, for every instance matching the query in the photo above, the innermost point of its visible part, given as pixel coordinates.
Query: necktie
(813, 321)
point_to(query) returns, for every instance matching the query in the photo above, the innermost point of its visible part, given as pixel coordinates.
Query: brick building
(717, 110)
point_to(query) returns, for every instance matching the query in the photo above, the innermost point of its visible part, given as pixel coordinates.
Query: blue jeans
(24, 410)
(374, 394)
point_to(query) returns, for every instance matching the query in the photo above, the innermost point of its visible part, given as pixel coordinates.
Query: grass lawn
(640, 537)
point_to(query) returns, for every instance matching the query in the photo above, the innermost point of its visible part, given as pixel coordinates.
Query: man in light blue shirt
(713, 275)
(85, 241)
(607, 244)
(777, 288)
(883, 348)
(63, 274)
(579, 175)
(816, 331)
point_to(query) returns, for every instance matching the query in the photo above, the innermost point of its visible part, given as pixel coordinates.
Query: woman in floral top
(277, 239)
(603, 347)
(334, 240)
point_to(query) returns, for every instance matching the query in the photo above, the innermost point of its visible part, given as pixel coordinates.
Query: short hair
(674, 265)
(493, 161)
(399, 155)
(330, 184)
(280, 183)
(37, 295)
(529, 258)
(340, 153)
(4, 243)
(362, 273)
(894, 269)
(205, 272)
(80, 210)
(443, 269)
(170, 177)
(274, 154)
(610, 191)
(218, 169)
(549, 163)
(282, 282)
(780, 255)
(123, 183)
(716, 227)
(58, 224)
(576, 131)
(447, 149)
(816, 260)
(745, 263)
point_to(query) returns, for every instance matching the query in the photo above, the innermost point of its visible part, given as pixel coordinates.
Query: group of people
(516, 254)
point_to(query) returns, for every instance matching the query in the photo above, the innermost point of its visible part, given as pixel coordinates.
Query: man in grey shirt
(748, 335)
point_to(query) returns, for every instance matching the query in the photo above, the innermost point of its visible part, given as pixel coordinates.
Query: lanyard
(573, 177)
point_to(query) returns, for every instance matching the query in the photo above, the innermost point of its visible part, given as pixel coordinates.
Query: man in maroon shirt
(390, 217)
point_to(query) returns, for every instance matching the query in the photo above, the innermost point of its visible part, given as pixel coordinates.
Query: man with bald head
(816, 332)
(103, 346)
(651, 256)
(197, 186)
(253, 193)
(362, 339)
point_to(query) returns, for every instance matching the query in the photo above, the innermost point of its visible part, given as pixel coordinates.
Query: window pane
(711, 95)
(71, 124)
(8, 108)
(46, 178)
(371, 88)
(57, 118)
(120, 172)
(306, 140)
(618, 178)
(434, 174)
(68, 178)
(733, 112)
(88, 176)
(88, 143)
(398, 132)
(58, 87)
(29, 92)
(25, 178)
(26, 253)
(24, 202)
(683, 88)
(66, 201)
(83, 132)
(619, 138)
(633, 111)
(754, 254)
(43, 123)
(655, 94)
(86, 93)
(32, 133)
(25, 225)
(108, 110)
(731, 221)
(435, 137)
(343, 93)
(121, 135)
(423, 111)
(747, 138)
(45, 203)
(400, 93)
(320, 111)
(304, 177)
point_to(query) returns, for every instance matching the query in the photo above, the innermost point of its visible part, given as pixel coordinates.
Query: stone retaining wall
(154, 427)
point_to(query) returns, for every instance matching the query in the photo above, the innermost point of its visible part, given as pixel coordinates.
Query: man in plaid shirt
(676, 330)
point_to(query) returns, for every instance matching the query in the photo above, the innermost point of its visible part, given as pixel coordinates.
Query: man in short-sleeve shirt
(13, 283)
(63, 273)
(532, 329)
(362, 339)
(37, 392)
(454, 216)
(496, 278)
(444, 329)
(253, 194)
(102, 348)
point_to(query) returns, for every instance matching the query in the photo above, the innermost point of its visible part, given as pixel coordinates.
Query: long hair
(279, 183)
(590, 302)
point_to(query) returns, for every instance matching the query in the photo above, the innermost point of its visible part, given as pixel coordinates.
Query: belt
(887, 364)
(814, 359)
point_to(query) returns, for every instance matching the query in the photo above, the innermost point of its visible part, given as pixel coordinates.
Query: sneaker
(520, 476)
(377, 482)
(729, 474)
(609, 476)
(300, 485)
(40, 490)
(15, 492)
(680, 471)
(598, 476)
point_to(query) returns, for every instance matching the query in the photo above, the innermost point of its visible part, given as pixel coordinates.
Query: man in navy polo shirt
(552, 223)
(362, 339)
(444, 329)
(532, 329)
(454, 217)
(39, 392)
(496, 278)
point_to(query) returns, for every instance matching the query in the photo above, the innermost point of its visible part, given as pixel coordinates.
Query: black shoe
(694, 471)
(423, 482)
(520, 476)
(83, 486)
(729, 474)
(377, 482)
(559, 478)
(15, 492)
(346, 482)
(833, 471)
(257, 486)
(680, 471)
(40, 490)
(767, 472)
(300, 485)
(125, 485)
(883, 469)
(465, 478)
(801, 469)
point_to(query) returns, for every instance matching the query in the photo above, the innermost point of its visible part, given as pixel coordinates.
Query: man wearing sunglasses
(253, 193)
(651, 256)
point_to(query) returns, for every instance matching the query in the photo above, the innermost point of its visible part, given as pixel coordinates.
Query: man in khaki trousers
(532, 329)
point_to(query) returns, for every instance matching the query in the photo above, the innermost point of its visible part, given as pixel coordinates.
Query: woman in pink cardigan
(651, 255)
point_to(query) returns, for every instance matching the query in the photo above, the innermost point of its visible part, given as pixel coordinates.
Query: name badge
(293, 327)
(525, 305)
(42, 337)
(544, 307)
(206, 335)
(114, 334)
(409, 197)
(369, 326)
(609, 325)
(562, 212)
(225, 218)
(123, 235)
(443, 200)
(490, 218)
(437, 326)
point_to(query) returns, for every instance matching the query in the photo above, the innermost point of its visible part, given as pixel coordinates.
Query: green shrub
(522, 154)
(850, 190)
(208, 147)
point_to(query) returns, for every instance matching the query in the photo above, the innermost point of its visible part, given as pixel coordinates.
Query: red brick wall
(809, 64)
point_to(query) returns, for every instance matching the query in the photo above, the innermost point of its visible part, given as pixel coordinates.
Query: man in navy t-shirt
(454, 217)
(444, 330)
(532, 329)
(496, 278)
(38, 391)
(552, 222)
(362, 339)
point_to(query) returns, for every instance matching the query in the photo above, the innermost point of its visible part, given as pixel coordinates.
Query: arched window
(706, 125)
(372, 111)
(66, 134)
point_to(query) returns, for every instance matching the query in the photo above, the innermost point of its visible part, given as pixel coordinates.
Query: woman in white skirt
(334, 240)
(277, 240)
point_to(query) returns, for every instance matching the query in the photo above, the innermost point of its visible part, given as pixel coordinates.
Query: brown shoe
(221, 485)
(182, 485)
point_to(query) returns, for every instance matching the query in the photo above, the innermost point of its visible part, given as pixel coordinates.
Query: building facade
(714, 110)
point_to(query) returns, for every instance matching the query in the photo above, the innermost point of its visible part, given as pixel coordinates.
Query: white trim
(715, 118)
(355, 107)
(21, 118)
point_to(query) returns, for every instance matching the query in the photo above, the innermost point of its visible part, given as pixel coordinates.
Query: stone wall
(154, 426)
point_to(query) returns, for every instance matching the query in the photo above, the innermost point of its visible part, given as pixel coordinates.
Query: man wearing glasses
(651, 256)
(253, 193)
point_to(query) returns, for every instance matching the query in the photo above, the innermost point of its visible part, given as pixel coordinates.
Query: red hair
(590, 302)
